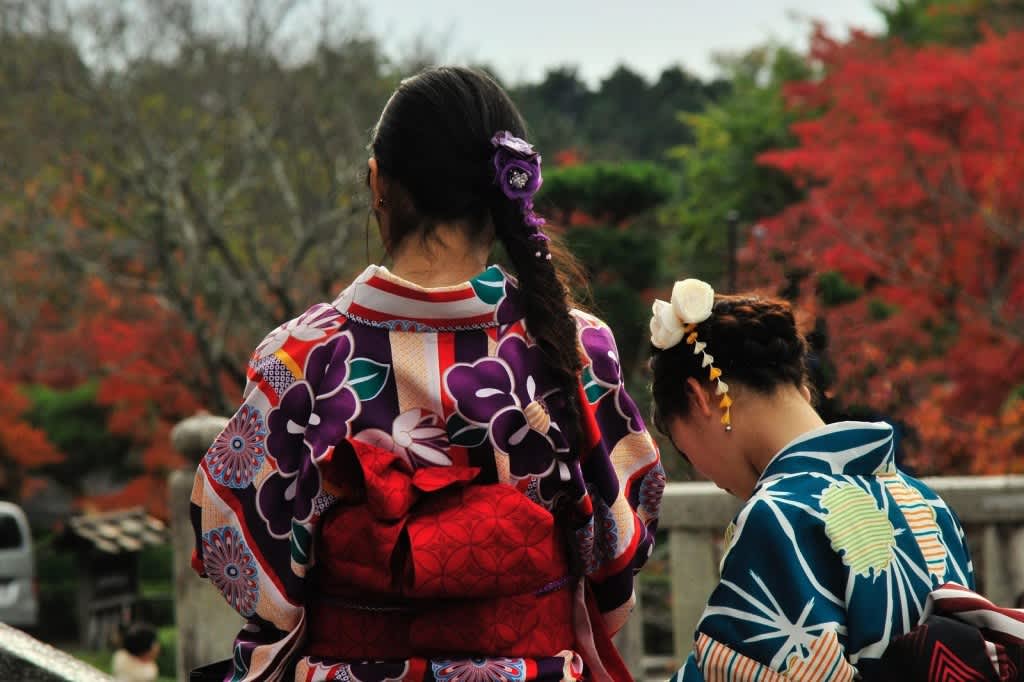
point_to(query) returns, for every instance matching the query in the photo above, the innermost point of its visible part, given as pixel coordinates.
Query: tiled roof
(121, 531)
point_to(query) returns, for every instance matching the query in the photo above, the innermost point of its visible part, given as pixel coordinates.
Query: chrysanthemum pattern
(480, 670)
(238, 451)
(232, 569)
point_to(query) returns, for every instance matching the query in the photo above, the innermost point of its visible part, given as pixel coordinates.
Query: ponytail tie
(517, 174)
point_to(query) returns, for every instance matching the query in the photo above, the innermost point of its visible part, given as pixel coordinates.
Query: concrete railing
(26, 659)
(694, 515)
(991, 509)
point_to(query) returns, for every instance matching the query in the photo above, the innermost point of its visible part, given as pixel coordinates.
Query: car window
(10, 532)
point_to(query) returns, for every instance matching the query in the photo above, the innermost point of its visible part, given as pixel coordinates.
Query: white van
(19, 605)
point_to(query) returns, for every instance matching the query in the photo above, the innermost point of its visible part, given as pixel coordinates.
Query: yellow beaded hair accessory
(692, 303)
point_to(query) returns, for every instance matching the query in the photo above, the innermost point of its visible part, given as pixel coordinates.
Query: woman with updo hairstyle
(440, 474)
(834, 550)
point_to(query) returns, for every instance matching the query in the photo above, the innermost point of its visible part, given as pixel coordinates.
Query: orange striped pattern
(719, 663)
(920, 517)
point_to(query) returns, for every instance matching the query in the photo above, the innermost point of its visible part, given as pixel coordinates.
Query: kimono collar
(843, 448)
(381, 299)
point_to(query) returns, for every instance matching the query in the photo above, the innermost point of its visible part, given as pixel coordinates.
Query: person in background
(135, 660)
(835, 551)
(440, 475)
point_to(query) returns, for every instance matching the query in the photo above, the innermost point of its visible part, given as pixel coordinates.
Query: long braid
(546, 302)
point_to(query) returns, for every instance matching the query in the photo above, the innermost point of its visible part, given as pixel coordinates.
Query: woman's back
(832, 557)
(413, 489)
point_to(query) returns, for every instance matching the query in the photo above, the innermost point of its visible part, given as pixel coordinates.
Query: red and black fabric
(963, 637)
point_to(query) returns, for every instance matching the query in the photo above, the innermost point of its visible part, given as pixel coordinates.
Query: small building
(107, 546)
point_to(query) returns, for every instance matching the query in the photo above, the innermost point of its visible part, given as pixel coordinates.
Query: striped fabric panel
(826, 663)
(999, 623)
(379, 298)
(857, 528)
(920, 517)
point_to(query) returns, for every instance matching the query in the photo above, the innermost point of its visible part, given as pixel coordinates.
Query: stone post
(206, 624)
(630, 639)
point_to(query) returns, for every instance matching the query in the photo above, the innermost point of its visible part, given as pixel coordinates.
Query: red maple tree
(913, 174)
(23, 448)
(71, 325)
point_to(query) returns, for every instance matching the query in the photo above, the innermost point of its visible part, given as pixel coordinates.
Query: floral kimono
(402, 495)
(833, 556)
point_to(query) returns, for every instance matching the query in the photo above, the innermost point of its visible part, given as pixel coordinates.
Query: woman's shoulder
(281, 356)
(586, 320)
(319, 322)
(593, 333)
(598, 346)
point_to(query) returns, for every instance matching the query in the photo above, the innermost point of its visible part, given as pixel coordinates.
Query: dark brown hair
(434, 141)
(755, 342)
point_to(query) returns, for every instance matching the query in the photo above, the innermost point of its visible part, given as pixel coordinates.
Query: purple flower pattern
(312, 417)
(606, 372)
(232, 568)
(509, 395)
(417, 436)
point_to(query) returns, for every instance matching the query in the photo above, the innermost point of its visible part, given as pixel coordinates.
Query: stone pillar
(630, 639)
(1015, 561)
(206, 624)
(694, 574)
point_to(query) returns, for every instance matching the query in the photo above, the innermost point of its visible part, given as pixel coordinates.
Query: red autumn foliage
(23, 448)
(148, 491)
(914, 172)
(133, 345)
(568, 157)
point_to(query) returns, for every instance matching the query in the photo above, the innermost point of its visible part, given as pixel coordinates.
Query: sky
(522, 38)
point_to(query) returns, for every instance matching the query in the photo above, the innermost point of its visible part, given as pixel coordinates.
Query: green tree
(203, 164)
(605, 191)
(75, 423)
(614, 235)
(626, 117)
(950, 22)
(719, 169)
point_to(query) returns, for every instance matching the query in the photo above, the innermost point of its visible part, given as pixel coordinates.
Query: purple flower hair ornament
(517, 174)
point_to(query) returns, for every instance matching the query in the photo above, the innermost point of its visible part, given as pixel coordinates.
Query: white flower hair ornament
(692, 303)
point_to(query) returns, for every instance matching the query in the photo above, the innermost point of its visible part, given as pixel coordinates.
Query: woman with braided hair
(440, 475)
(835, 550)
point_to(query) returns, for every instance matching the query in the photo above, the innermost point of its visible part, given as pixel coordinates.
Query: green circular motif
(860, 532)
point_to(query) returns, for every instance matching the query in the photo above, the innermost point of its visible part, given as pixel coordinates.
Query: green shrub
(880, 310)
(167, 661)
(156, 609)
(836, 289)
(156, 564)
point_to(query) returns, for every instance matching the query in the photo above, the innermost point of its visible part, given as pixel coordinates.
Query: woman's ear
(376, 184)
(699, 399)
(805, 391)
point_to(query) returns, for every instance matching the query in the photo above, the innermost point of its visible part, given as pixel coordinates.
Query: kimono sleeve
(257, 495)
(779, 610)
(622, 474)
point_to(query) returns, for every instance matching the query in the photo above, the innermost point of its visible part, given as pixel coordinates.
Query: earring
(380, 202)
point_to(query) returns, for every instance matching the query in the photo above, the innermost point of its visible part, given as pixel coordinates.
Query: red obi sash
(427, 563)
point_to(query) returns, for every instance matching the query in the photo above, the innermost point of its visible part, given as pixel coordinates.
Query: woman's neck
(446, 259)
(784, 417)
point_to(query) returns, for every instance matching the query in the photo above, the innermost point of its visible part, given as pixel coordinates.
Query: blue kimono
(831, 558)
